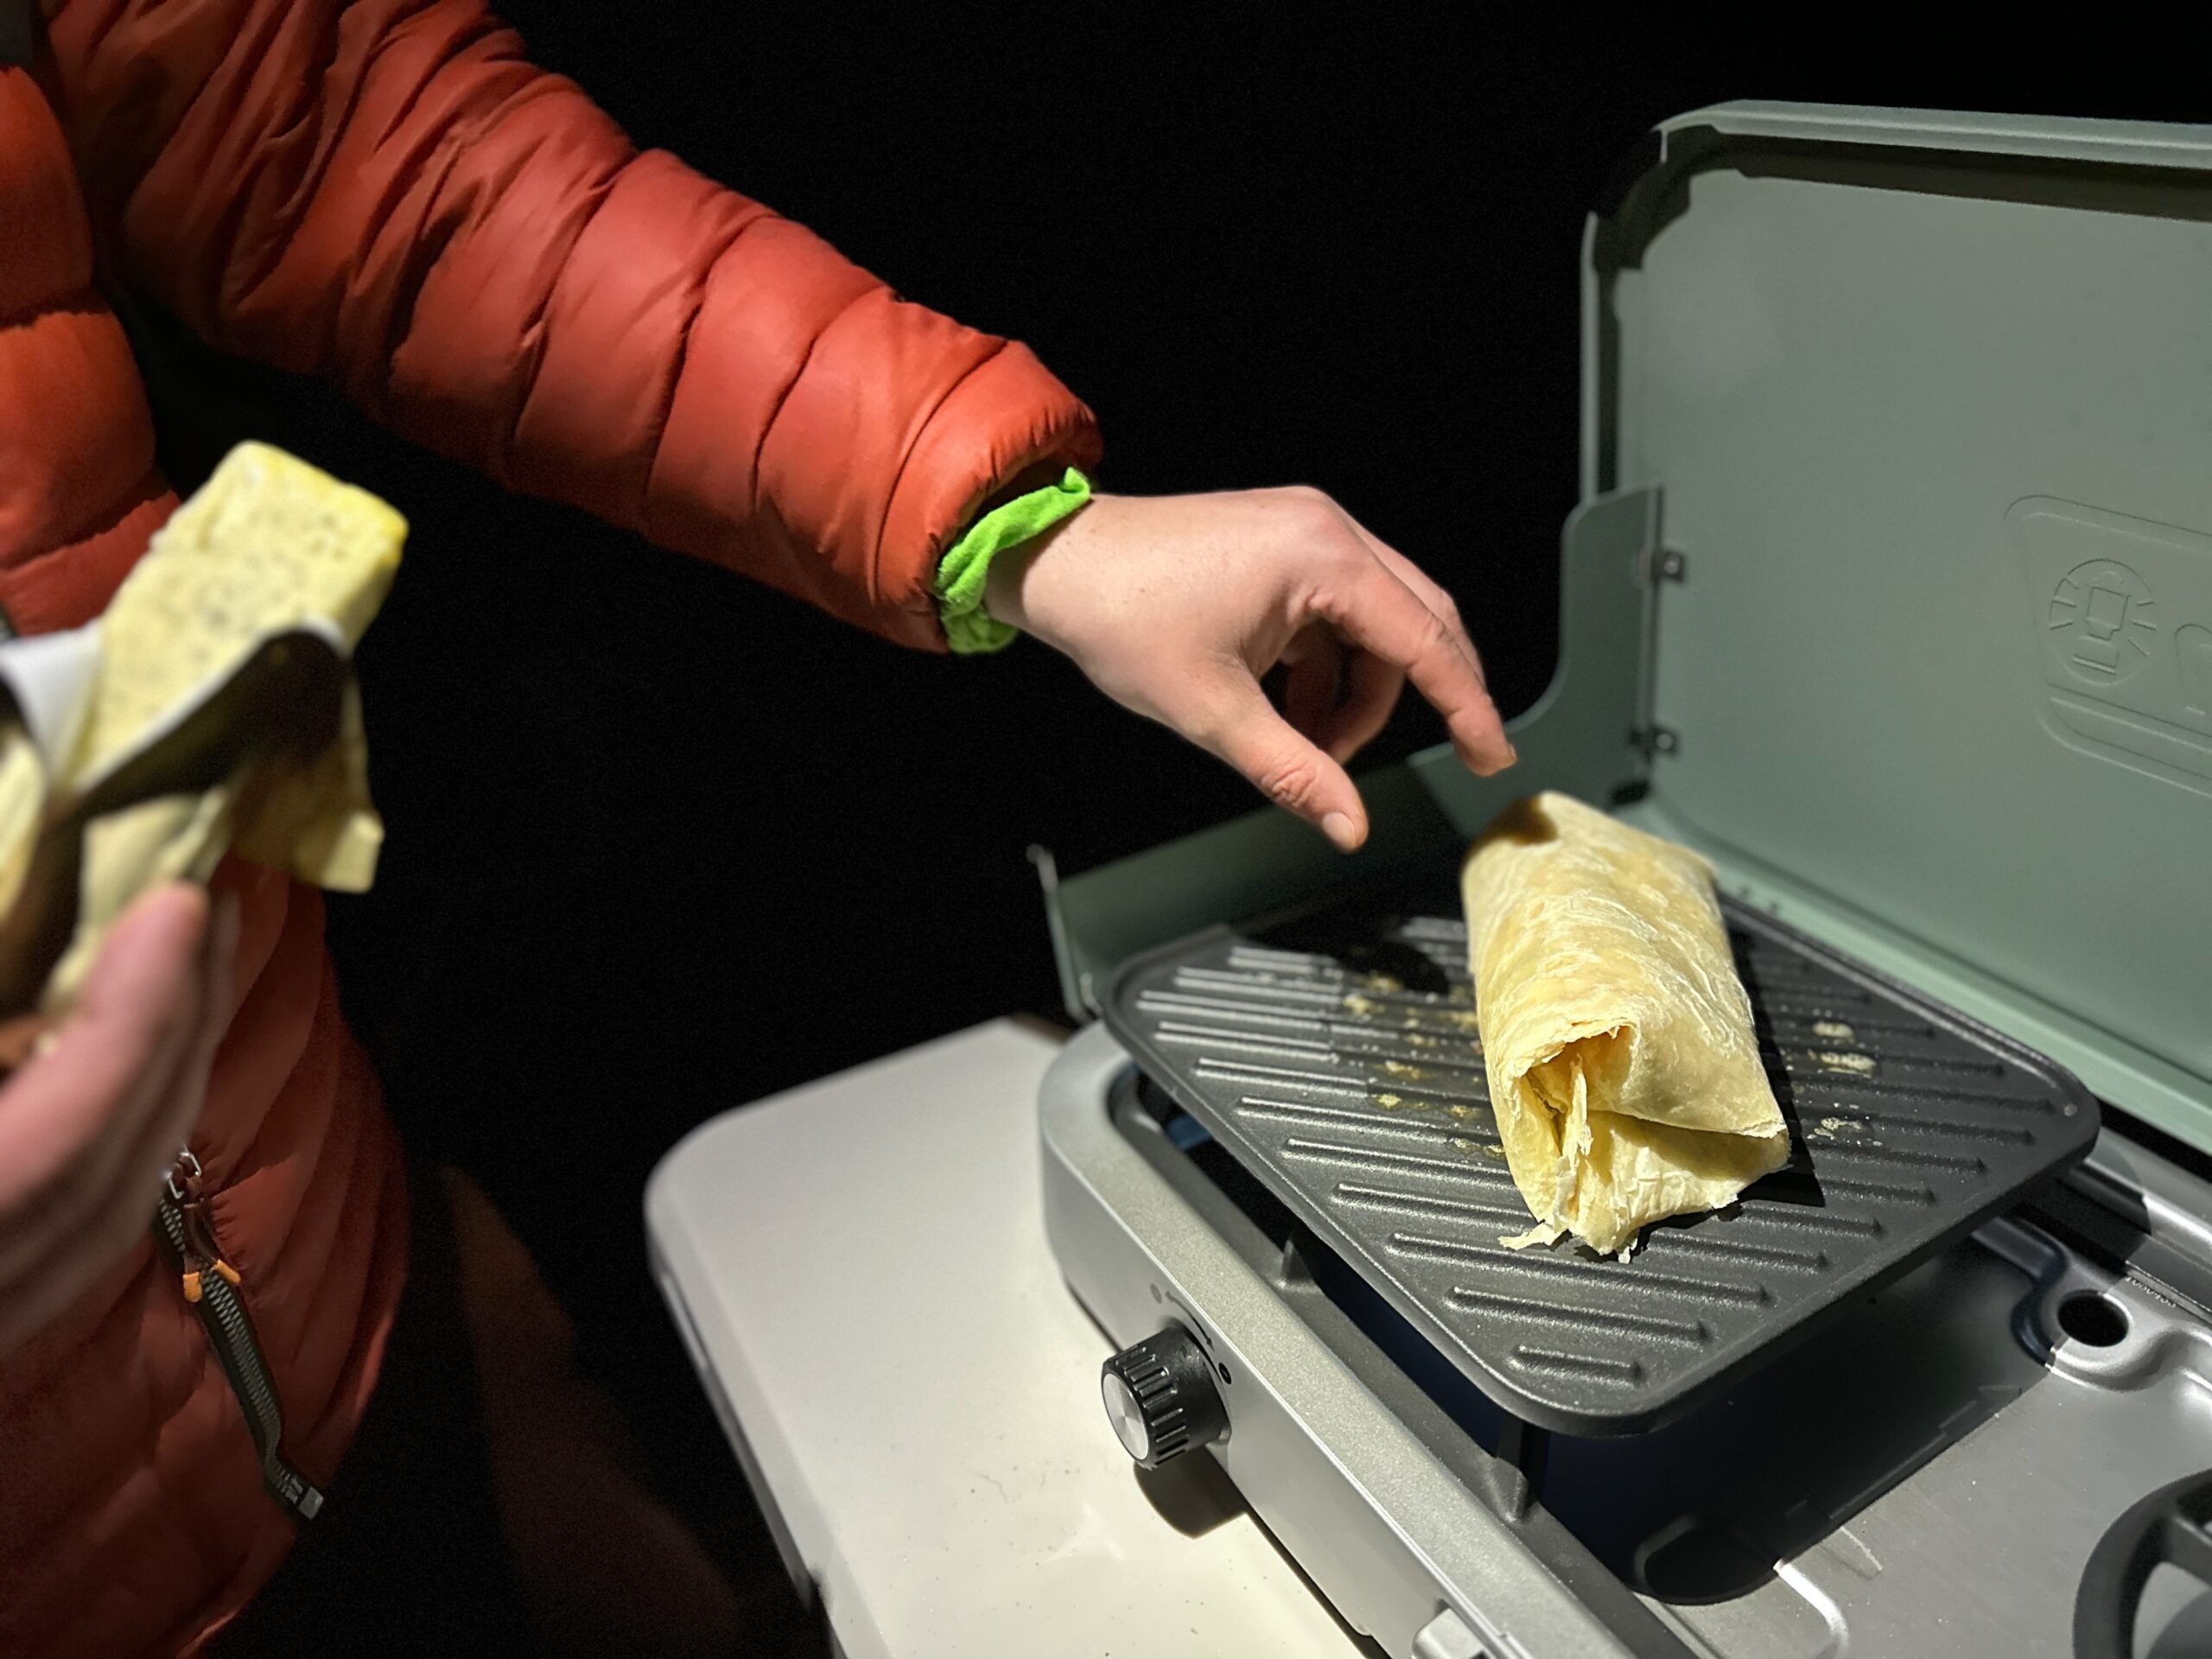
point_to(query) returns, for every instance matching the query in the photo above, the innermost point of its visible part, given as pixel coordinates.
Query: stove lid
(1927, 401)
(1891, 587)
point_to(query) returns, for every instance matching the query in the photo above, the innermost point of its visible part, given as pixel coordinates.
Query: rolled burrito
(1624, 1069)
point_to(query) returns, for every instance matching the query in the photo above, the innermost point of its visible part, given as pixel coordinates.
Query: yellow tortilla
(22, 792)
(267, 544)
(1623, 1068)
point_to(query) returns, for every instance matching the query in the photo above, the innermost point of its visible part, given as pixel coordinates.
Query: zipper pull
(192, 1288)
(184, 1176)
(202, 1254)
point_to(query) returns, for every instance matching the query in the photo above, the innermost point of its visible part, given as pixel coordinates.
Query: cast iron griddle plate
(1339, 1061)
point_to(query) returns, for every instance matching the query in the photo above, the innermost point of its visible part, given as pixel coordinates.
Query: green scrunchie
(968, 628)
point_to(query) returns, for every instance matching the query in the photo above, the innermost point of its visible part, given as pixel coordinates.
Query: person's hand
(1176, 606)
(89, 1126)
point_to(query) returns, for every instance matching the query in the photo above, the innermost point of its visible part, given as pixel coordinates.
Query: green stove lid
(1927, 401)
(1891, 588)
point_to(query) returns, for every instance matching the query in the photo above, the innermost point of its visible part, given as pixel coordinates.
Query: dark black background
(661, 842)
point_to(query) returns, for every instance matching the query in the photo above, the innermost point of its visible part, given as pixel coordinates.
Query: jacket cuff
(961, 574)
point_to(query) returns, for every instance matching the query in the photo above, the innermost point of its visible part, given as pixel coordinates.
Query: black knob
(1161, 1397)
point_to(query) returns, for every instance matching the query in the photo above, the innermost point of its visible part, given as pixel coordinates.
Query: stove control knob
(1161, 1397)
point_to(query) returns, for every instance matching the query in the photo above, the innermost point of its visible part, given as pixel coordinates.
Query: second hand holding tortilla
(211, 708)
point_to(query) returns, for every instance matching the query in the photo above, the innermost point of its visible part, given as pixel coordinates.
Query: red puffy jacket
(388, 195)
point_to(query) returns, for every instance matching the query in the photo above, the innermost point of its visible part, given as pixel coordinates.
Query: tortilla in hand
(269, 546)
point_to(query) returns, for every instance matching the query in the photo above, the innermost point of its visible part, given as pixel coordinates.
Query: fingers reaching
(1426, 589)
(1245, 729)
(1177, 605)
(1378, 610)
(1372, 686)
(1313, 662)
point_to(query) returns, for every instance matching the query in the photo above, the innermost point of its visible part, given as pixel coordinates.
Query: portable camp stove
(1855, 1437)
(1878, 596)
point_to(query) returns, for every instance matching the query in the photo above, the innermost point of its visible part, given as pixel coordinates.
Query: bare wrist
(1008, 589)
(1002, 586)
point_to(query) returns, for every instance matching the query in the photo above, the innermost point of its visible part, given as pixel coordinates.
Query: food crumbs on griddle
(1460, 1111)
(1400, 1069)
(1389, 1102)
(1835, 1030)
(1357, 1004)
(1385, 983)
(1860, 1065)
(1496, 1149)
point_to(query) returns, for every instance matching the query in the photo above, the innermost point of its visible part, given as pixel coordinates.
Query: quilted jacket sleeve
(390, 194)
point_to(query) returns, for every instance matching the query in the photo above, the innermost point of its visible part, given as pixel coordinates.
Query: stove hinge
(1658, 565)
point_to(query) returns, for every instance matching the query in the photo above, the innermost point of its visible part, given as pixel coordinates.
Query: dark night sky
(661, 841)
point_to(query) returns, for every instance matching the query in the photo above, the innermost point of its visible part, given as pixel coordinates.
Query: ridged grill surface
(1340, 1063)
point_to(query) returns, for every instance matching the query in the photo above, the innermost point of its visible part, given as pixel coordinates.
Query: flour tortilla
(267, 545)
(1623, 1068)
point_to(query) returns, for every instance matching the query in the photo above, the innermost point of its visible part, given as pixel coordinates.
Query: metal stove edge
(1368, 1510)
(1390, 1531)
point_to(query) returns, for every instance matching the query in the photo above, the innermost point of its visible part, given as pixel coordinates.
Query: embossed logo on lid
(2122, 610)
(2104, 609)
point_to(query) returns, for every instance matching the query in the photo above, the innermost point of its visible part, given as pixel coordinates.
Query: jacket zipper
(211, 1285)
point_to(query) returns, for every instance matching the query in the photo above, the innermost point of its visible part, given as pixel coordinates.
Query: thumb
(1283, 765)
